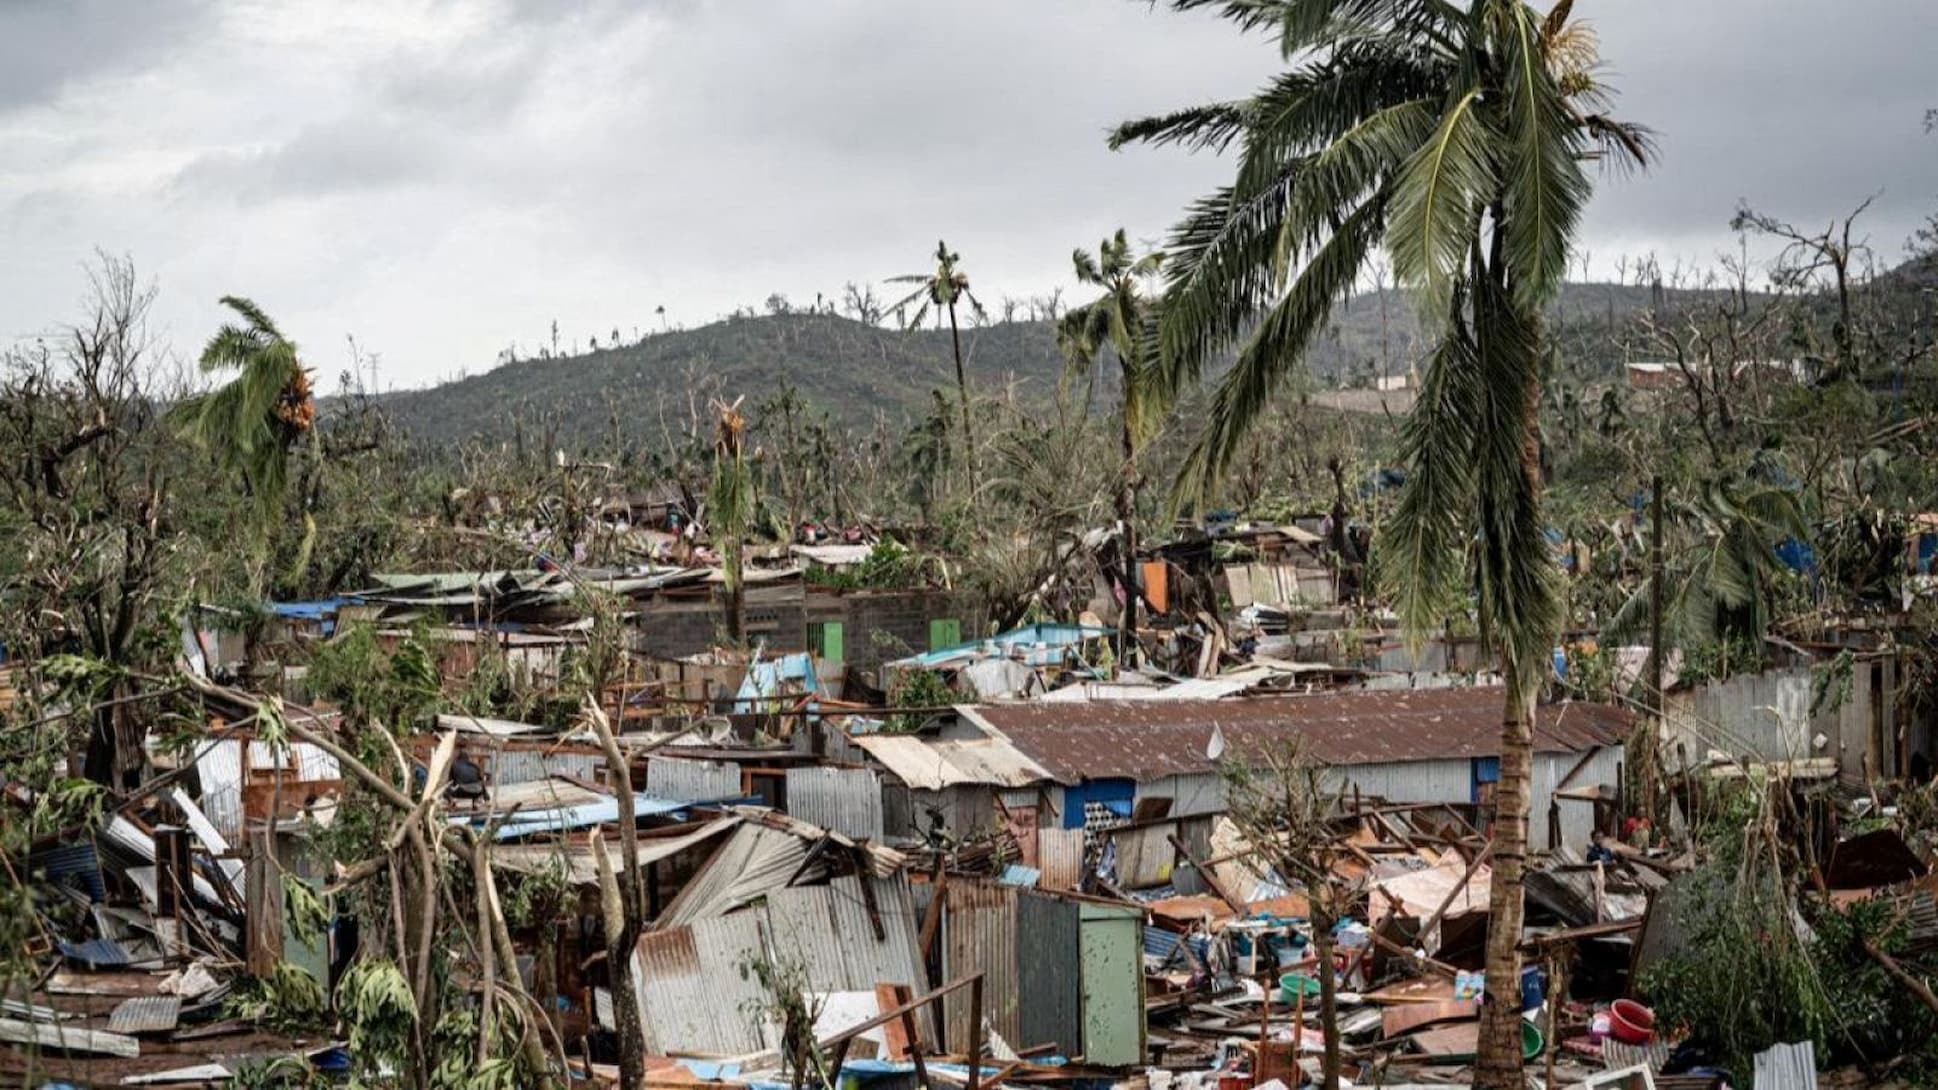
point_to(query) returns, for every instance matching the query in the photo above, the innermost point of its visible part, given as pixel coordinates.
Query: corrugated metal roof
(933, 765)
(846, 800)
(1142, 740)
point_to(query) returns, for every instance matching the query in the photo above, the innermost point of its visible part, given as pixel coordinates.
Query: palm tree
(731, 509)
(940, 290)
(1122, 321)
(1719, 583)
(1457, 140)
(251, 423)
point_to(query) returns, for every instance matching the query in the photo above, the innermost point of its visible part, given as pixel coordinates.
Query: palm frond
(1211, 127)
(1516, 577)
(1545, 187)
(1276, 348)
(1421, 553)
(1218, 279)
(1437, 201)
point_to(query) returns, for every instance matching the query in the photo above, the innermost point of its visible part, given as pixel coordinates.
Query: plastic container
(1532, 1042)
(1291, 984)
(1631, 1022)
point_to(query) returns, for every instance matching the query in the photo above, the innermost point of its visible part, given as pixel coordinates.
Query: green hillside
(854, 370)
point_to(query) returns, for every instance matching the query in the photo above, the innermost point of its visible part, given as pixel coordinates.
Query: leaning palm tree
(1456, 138)
(1122, 322)
(252, 422)
(939, 291)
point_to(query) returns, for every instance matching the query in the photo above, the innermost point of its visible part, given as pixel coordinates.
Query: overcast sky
(444, 179)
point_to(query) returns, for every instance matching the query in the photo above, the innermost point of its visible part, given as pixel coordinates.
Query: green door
(1113, 985)
(944, 633)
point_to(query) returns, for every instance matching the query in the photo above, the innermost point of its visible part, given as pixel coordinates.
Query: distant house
(1072, 765)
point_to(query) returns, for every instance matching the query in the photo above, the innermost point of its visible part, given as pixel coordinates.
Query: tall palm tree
(1457, 139)
(1121, 321)
(252, 422)
(939, 291)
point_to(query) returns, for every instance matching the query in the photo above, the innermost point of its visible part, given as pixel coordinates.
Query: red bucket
(1631, 1022)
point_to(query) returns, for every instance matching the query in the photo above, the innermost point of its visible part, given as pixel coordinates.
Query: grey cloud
(589, 160)
(48, 46)
(341, 156)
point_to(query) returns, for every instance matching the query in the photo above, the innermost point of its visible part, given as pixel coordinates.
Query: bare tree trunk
(620, 903)
(1498, 1064)
(1127, 516)
(962, 390)
(1322, 921)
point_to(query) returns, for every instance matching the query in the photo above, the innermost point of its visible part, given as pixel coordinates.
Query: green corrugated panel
(944, 633)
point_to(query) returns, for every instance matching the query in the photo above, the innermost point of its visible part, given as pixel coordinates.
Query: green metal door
(1113, 985)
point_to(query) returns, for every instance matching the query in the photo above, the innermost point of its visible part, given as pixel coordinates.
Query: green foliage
(890, 565)
(308, 919)
(917, 688)
(1741, 977)
(454, 1048)
(250, 423)
(542, 897)
(288, 1000)
(371, 684)
(378, 1014)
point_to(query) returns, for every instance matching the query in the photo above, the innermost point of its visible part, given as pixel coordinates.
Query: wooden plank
(69, 1040)
(1395, 1021)
(895, 1042)
(1456, 1042)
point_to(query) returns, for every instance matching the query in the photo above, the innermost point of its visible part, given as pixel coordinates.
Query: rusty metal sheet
(979, 935)
(695, 998)
(1059, 855)
(1143, 740)
(146, 1014)
(846, 800)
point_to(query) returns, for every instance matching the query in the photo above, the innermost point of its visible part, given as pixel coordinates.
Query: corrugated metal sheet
(1059, 855)
(1787, 1067)
(754, 862)
(1577, 818)
(846, 800)
(1190, 793)
(1768, 717)
(692, 781)
(146, 1014)
(979, 935)
(529, 765)
(1049, 963)
(1144, 740)
(219, 766)
(694, 994)
(1414, 781)
(934, 765)
(695, 998)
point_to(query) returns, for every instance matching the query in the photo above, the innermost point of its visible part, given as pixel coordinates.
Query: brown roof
(1142, 739)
